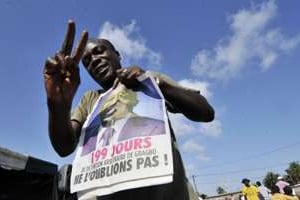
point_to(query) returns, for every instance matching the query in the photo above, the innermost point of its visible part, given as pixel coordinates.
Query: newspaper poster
(125, 142)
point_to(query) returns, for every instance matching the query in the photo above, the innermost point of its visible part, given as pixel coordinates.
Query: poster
(125, 142)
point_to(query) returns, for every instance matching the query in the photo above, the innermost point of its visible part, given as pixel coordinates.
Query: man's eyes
(99, 50)
(95, 51)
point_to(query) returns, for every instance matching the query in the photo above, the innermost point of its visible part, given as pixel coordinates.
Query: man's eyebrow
(91, 45)
(103, 46)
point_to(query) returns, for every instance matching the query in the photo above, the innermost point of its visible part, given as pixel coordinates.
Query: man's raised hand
(61, 72)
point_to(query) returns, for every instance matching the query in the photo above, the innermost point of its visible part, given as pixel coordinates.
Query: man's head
(288, 190)
(274, 189)
(101, 60)
(258, 183)
(246, 182)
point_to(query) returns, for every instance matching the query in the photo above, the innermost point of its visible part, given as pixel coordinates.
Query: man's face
(101, 61)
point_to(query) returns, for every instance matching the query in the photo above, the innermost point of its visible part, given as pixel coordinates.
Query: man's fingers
(72, 69)
(67, 45)
(50, 66)
(51, 61)
(60, 60)
(51, 70)
(133, 74)
(81, 47)
(122, 73)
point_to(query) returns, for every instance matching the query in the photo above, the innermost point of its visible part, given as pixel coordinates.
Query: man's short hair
(274, 189)
(245, 180)
(288, 190)
(258, 183)
(103, 41)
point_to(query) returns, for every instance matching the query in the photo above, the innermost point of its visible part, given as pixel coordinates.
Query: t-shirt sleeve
(256, 188)
(243, 191)
(82, 110)
(170, 106)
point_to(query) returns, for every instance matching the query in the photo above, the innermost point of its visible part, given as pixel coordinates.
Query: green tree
(221, 190)
(293, 173)
(270, 179)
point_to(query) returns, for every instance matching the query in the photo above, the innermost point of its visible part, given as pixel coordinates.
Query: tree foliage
(221, 190)
(293, 173)
(270, 179)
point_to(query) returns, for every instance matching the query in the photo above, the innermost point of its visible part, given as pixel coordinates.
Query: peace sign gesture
(61, 72)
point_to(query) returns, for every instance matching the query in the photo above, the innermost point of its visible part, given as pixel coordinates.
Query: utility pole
(194, 182)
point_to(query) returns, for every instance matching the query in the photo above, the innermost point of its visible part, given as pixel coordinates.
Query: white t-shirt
(265, 192)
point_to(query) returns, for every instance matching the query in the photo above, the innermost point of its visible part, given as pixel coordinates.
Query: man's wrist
(58, 107)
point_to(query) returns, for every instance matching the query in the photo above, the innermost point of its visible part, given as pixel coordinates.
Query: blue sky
(242, 55)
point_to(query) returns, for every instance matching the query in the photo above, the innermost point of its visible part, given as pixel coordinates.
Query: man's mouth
(101, 68)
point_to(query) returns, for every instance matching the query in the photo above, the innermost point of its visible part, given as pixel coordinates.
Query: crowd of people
(281, 190)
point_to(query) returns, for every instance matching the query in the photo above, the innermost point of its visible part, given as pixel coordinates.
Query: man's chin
(105, 81)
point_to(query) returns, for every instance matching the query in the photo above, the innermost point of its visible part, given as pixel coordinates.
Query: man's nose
(96, 60)
(96, 56)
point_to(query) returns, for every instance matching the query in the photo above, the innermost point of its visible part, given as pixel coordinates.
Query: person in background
(281, 184)
(276, 195)
(288, 190)
(264, 191)
(250, 192)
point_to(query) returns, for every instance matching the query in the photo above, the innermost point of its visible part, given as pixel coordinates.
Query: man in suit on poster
(121, 122)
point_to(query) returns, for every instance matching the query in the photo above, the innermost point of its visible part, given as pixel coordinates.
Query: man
(265, 192)
(102, 62)
(250, 192)
(288, 190)
(281, 184)
(277, 195)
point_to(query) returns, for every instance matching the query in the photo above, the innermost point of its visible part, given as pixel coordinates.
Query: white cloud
(251, 41)
(131, 46)
(191, 146)
(184, 127)
(189, 168)
(181, 125)
(203, 87)
(213, 129)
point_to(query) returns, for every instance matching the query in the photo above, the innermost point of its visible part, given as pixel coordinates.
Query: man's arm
(244, 194)
(190, 103)
(63, 132)
(61, 78)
